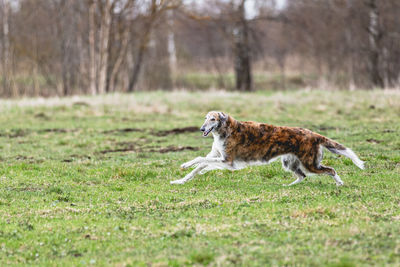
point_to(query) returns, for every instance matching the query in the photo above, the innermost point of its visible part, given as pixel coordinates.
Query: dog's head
(213, 121)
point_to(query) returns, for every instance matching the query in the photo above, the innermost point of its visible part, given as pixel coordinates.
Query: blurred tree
(5, 44)
(156, 10)
(58, 47)
(106, 8)
(92, 47)
(375, 37)
(242, 49)
(119, 40)
(143, 43)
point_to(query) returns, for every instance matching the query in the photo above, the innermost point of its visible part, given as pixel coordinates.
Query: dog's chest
(219, 145)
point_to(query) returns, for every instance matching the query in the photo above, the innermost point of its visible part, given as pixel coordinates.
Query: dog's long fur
(240, 144)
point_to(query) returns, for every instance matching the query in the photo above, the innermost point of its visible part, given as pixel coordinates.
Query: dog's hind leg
(326, 170)
(313, 165)
(300, 177)
(292, 163)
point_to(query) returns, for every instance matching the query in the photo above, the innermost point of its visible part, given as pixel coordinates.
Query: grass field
(85, 181)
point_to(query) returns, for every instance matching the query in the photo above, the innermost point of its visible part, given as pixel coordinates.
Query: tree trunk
(136, 68)
(92, 48)
(375, 36)
(6, 48)
(350, 45)
(64, 35)
(65, 69)
(282, 64)
(104, 43)
(214, 59)
(242, 51)
(118, 62)
(142, 47)
(112, 38)
(171, 44)
(81, 71)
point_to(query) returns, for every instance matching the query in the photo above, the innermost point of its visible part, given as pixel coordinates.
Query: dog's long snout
(202, 128)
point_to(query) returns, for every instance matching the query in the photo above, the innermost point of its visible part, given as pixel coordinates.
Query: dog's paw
(180, 181)
(339, 183)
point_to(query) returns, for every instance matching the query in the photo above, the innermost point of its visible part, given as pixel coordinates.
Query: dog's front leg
(206, 165)
(213, 154)
(214, 162)
(214, 166)
(192, 162)
(190, 175)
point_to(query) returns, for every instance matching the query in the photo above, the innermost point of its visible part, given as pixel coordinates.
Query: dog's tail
(339, 149)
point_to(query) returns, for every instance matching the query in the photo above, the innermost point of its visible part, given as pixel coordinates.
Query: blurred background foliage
(66, 47)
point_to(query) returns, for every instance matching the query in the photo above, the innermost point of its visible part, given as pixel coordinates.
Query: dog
(238, 144)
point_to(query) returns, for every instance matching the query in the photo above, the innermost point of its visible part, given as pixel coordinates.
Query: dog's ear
(222, 116)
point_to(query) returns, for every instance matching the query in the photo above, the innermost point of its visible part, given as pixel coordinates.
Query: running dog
(240, 144)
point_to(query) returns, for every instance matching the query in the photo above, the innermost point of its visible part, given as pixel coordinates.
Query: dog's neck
(225, 129)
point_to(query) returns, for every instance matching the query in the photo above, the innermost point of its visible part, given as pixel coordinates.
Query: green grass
(65, 199)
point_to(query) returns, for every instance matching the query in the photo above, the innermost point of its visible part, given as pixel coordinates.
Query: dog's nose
(202, 128)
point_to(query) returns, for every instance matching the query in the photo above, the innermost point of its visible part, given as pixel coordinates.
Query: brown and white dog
(240, 144)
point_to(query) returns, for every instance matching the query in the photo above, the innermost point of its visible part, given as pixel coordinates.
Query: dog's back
(251, 141)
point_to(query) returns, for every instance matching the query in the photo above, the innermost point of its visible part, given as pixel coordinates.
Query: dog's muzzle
(206, 132)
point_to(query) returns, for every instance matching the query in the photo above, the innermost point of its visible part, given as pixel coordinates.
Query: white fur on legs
(191, 163)
(190, 175)
(216, 166)
(204, 166)
(298, 180)
(206, 160)
(207, 169)
(338, 181)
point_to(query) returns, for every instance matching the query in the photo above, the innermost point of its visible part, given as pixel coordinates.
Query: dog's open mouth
(205, 133)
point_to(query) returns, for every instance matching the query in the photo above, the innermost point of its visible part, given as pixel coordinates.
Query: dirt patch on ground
(189, 129)
(131, 147)
(55, 130)
(321, 127)
(327, 128)
(175, 149)
(74, 157)
(372, 140)
(125, 149)
(388, 131)
(124, 130)
(14, 133)
(28, 159)
(42, 115)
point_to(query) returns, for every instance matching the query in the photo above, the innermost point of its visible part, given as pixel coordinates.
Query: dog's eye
(212, 119)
